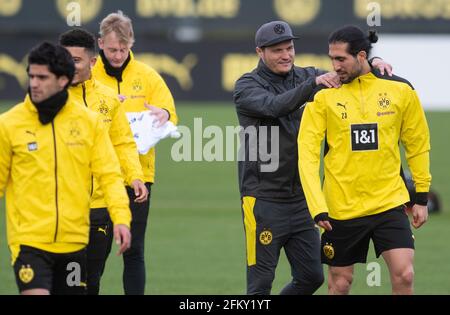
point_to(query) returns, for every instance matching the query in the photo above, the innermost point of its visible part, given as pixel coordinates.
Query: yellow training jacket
(363, 122)
(140, 84)
(46, 171)
(104, 101)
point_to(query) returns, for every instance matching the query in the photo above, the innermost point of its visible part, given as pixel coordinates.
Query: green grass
(195, 239)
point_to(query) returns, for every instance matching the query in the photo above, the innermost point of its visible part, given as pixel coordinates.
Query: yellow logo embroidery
(74, 131)
(102, 230)
(328, 250)
(265, 237)
(26, 274)
(103, 108)
(137, 85)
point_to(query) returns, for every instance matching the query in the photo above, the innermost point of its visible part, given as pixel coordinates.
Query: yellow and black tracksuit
(46, 171)
(105, 102)
(363, 191)
(138, 84)
(274, 208)
(363, 123)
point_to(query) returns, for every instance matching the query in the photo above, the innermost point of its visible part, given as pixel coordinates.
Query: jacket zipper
(84, 94)
(85, 103)
(118, 86)
(363, 109)
(56, 182)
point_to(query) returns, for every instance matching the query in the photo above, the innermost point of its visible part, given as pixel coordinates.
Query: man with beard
(275, 213)
(363, 192)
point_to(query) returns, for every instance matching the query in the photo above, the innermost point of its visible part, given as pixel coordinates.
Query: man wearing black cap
(275, 212)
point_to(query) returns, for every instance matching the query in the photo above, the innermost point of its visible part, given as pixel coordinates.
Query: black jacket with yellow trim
(265, 99)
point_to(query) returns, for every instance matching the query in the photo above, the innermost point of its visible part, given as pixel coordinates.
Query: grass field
(195, 240)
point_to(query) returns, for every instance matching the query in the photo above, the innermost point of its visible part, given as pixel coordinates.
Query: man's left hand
(383, 66)
(140, 191)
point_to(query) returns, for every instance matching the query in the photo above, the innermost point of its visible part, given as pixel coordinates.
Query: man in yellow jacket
(100, 98)
(140, 88)
(363, 190)
(50, 148)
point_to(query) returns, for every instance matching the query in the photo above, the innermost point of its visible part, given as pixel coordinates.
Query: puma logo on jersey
(30, 133)
(342, 105)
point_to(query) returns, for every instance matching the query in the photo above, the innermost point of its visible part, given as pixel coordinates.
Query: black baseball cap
(273, 33)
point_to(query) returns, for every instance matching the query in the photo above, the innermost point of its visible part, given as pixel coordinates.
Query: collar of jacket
(266, 73)
(49, 108)
(365, 78)
(77, 90)
(112, 71)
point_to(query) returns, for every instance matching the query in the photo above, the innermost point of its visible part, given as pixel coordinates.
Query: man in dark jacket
(269, 107)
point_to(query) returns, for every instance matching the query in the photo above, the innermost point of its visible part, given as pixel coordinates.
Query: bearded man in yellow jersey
(363, 192)
(140, 88)
(102, 99)
(50, 149)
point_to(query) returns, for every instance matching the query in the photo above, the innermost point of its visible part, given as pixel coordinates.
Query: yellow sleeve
(415, 137)
(160, 95)
(105, 167)
(5, 157)
(312, 132)
(124, 145)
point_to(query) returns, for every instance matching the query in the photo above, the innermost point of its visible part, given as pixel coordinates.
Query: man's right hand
(322, 220)
(122, 235)
(329, 79)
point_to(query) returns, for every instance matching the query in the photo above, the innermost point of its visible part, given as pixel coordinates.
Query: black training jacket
(265, 99)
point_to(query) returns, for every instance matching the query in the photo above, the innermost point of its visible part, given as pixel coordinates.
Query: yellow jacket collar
(29, 104)
(365, 78)
(88, 85)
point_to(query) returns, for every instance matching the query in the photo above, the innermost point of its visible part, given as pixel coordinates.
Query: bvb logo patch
(137, 85)
(74, 129)
(328, 250)
(265, 237)
(103, 108)
(26, 274)
(383, 101)
(279, 29)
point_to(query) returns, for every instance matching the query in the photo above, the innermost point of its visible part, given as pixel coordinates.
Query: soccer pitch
(195, 239)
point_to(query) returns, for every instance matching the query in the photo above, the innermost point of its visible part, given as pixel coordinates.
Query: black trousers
(100, 241)
(271, 226)
(134, 258)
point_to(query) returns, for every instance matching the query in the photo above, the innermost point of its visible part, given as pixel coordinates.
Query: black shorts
(57, 273)
(348, 242)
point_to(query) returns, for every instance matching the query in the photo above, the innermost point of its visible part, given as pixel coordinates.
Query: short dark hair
(356, 39)
(56, 57)
(78, 37)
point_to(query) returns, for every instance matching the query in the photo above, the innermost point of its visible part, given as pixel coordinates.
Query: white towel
(146, 134)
